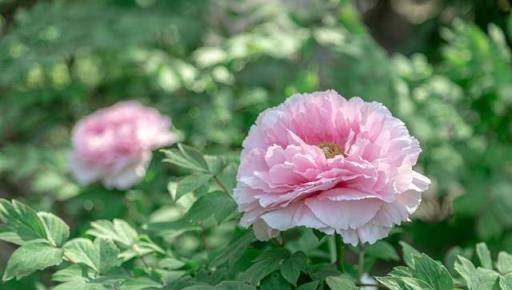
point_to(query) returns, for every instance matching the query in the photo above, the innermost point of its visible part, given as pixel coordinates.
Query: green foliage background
(213, 66)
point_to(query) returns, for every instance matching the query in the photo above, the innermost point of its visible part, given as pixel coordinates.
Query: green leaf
(401, 278)
(200, 287)
(172, 228)
(274, 282)
(475, 278)
(79, 285)
(265, 264)
(432, 272)
(320, 273)
(292, 267)
(504, 264)
(107, 255)
(193, 154)
(191, 183)
(307, 242)
(82, 251)
(170, 264)
(382, 250)
(140, 283)
(342, 282)
(506, 282)
(118, 230)
(133, 244)
(232, 252)
(225, 285)
(425, 273)
(234, 285)
(484, 255)
(214, 204)
(141, 247)
(408, 254)
(466, 270)
(22, 221)
(309, 286)
(31, 257)
(404, 283)
(73, 272)
(9, 236)
(57, 230)
(101, 256)
(186, 157)
(215, 164)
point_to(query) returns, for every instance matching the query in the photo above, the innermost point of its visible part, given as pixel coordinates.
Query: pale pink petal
(344, 214)
(419, 182)
(129, 174)
(292, 216)
(83, 174)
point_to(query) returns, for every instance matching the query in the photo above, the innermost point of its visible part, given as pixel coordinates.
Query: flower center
(330, 149)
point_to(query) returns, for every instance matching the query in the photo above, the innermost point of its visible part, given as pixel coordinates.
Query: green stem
(332, 248)
(340, 252)
(222, 186)
(361, 262)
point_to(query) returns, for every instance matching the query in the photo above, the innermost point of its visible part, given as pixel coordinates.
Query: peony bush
(337, 172)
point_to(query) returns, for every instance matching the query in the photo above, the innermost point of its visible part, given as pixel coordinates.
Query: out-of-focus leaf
(187, 157)
(214, 204)
(309, 286)
(140, 283)
(484, 255)
(31, 257)
(506, 282)
(265, 264)
(292, 267)
(274, 281)
(475, 278)
(190, 183)
(504, 264)
(488, 225)
(341, 283)
(232, 252)
(408, 254)
(382, 250)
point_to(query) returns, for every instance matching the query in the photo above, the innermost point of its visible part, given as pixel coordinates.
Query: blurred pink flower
(114, 144)
(323, 162)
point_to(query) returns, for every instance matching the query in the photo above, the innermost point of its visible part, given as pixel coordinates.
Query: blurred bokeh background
(443, 66)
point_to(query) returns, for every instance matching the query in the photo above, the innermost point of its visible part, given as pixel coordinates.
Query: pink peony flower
(114, 144)
(324, 162)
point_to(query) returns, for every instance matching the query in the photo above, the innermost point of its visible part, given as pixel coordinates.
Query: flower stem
(332, 248)
(361, 262)
(340, 247)
(222, 186)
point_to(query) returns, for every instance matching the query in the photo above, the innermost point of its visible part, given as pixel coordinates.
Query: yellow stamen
(330, 149)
